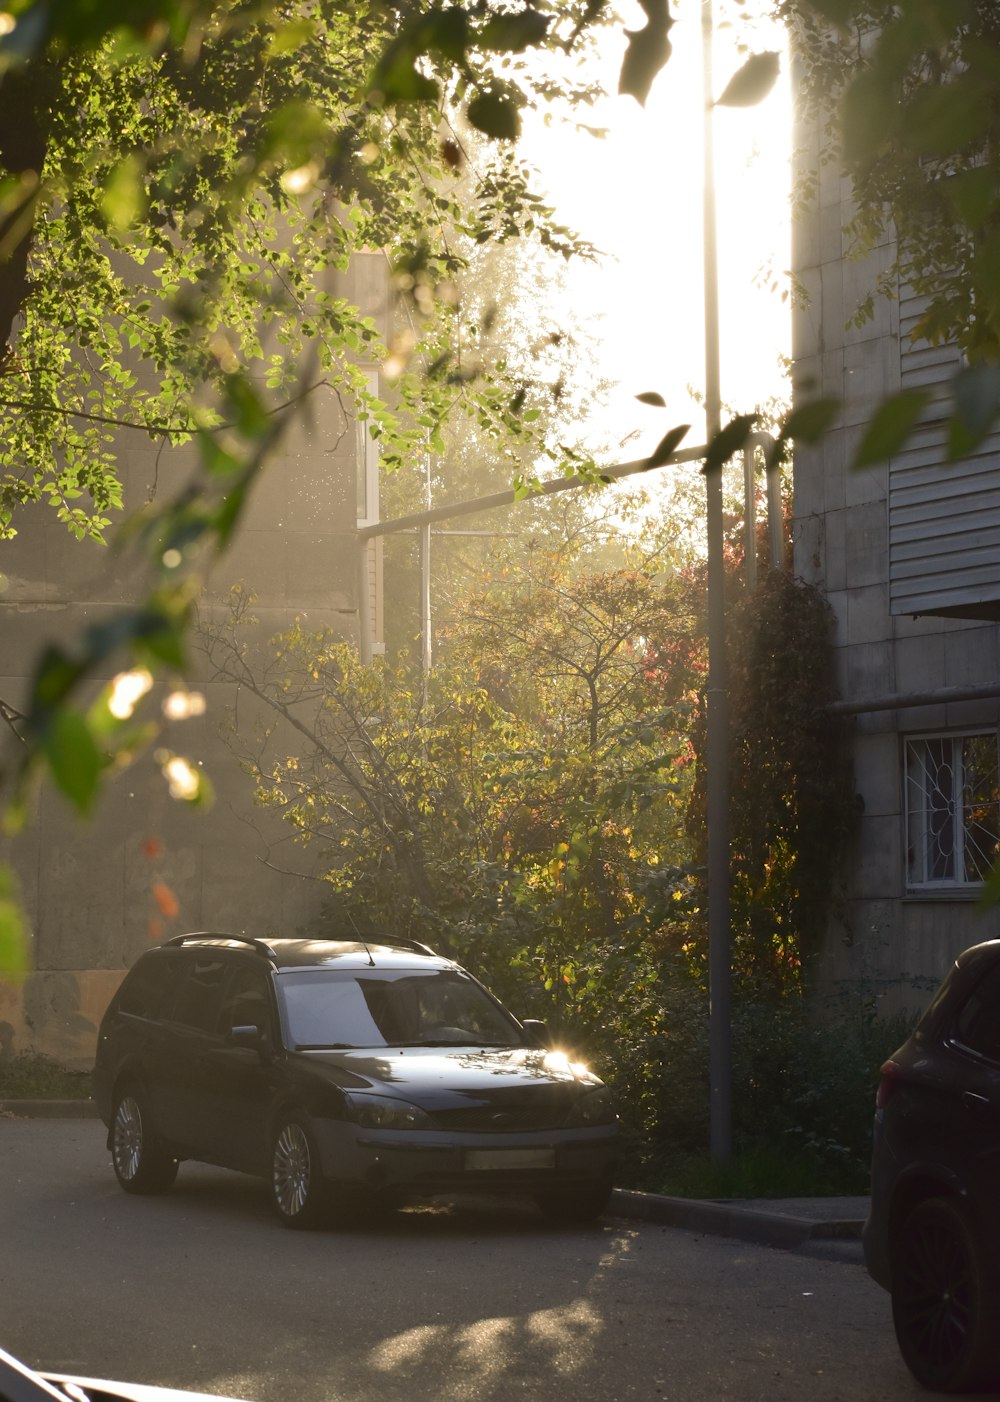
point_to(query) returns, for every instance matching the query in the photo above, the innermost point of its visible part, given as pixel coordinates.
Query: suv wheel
(298, 1191)
(943, 1299)
(140, 1165)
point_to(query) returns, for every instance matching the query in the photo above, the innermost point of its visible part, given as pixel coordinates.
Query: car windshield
(327, 1008)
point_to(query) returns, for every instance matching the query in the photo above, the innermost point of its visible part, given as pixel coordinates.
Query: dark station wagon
(343, 1071)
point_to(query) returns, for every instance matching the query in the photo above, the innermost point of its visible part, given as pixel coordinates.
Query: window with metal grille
(952, 809)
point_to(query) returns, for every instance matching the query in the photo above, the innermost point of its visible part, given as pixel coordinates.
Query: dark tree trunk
(24, 110)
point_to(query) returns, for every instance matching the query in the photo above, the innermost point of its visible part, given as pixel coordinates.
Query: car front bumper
(427, 1161)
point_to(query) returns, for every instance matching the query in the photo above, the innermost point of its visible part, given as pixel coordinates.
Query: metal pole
(425, 599)
(426, 622)
(903, 700)
(750, 516)
(719, 935)
(775, 523)
(364, 603)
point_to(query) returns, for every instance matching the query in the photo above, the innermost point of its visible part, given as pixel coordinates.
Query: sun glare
(127, 690)
(637, 194)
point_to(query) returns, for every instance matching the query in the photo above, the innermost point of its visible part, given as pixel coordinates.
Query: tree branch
(64, 411)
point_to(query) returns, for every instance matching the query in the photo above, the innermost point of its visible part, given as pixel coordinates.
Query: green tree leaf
(13, 930)
(496, 115)
(55, 677)
(990, 894)
(513, 33)
(445, 31)
(973, 194)
(123, 199)
(647, 51)
(729, 440)
(806, 423)
(751, 83)
(73, 758)
(667, 446)
(870, 116)
(216, 457)
(975, 395)
(948, 117)
(891, 425)
(838, 11)
(398, 79)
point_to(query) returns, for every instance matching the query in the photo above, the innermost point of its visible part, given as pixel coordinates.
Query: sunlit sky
(638, 195)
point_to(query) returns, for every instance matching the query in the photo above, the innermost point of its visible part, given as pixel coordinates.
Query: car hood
(439, 1076)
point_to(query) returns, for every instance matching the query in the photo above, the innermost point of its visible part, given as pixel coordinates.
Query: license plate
(510, 1158)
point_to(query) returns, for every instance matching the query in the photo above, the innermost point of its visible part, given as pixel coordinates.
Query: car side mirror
(537, 1032)
(249, 1036)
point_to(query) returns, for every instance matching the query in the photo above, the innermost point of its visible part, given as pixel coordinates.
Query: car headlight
(594, 1107)
(381, 1112)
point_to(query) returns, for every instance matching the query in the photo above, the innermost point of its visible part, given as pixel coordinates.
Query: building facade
(908, 555)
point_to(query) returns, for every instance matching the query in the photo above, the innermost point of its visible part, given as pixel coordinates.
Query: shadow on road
(200, 1190)
(473, 1300)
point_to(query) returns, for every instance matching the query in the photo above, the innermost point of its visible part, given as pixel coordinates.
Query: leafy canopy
(907, 95)
(183, 185)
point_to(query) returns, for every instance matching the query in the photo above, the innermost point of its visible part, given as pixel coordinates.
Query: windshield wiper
(326, 1046)
(454, 1042)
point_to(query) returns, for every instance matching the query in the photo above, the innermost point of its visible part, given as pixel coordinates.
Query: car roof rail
(402, 942)
(261, 946)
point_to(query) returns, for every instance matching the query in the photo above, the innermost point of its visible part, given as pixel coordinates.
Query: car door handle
(972, 1101)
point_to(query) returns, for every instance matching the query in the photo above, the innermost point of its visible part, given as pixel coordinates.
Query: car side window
(198, 1001)
(978, 1023)
(246, 1002)
(149, 987)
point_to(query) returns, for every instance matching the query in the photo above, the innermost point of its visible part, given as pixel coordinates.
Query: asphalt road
(203, 1289)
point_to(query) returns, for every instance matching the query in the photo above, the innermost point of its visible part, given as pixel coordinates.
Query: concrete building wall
(144, 866)
(883, 936)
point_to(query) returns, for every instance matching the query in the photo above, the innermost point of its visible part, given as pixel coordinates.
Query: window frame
(258, 974)
(157, 964)
(204, 960)
(958, 882)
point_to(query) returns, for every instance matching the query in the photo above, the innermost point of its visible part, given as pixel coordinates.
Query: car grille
(509, 1116)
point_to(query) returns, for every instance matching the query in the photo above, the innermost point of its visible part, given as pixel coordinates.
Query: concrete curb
(732, 1218)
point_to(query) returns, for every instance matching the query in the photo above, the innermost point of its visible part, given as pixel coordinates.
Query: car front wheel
(140, 1165)
(298, 1192)
(944, 1300)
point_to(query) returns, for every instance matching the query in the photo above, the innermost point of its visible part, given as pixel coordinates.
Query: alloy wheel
(127, 1139)
(292, 1170)
(939, 1298)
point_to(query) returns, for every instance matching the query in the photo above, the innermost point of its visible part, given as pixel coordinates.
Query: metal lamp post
(719, 933)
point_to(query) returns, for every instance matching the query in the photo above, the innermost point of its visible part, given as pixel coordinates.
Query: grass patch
(30, 1076)
(762, 1173)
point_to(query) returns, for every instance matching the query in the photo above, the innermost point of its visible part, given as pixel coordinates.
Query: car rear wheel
(944, 1300)
(575, 1204)
(298, 1191)
(140, 1165)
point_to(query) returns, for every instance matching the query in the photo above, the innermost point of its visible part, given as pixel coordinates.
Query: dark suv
(340, 1071)
(933, 1234)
